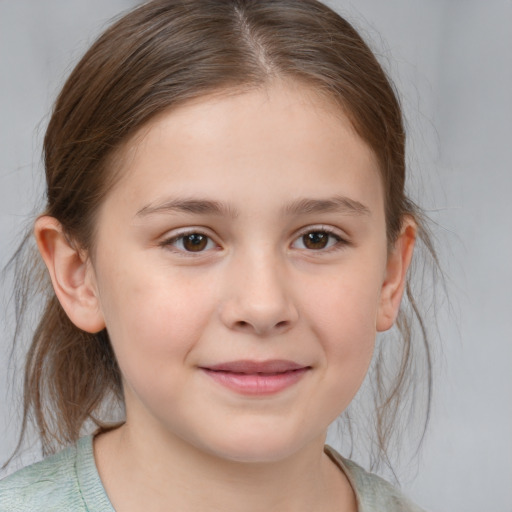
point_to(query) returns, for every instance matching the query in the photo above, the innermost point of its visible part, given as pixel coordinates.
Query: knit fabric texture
(69, 481)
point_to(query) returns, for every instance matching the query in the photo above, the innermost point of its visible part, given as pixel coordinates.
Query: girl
(226, 231)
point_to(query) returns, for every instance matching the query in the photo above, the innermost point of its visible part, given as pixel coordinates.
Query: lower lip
(257, 384)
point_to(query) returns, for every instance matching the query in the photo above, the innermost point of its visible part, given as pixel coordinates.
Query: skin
(256, 291)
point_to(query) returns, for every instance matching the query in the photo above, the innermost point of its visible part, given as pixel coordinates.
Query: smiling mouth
(255, 377)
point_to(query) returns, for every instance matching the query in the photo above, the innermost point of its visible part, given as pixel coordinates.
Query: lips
(264, 367)
(257, 377)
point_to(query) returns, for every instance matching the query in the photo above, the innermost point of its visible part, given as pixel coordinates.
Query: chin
(257, 446)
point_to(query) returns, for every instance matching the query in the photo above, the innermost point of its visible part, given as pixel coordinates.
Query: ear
(399, 259)
(71, 273)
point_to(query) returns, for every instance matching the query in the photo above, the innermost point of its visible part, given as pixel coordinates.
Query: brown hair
(157, 56)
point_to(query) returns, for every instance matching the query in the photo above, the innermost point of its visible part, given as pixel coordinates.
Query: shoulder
(51, 484)
(374, 494)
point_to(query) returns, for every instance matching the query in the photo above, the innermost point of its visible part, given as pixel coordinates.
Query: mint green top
(69, 481)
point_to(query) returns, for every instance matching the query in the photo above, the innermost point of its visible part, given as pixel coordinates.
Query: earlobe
(71, 273)
(399, 259)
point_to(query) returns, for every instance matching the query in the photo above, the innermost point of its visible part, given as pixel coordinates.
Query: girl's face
(242, 272)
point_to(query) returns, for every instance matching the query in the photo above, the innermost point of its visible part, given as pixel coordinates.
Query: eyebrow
(196, 206)
(336, 204)
(303, 206)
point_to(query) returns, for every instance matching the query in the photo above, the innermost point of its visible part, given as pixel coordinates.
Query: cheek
(154, 318)
(344, 304)
(342, 313)
(346, 328)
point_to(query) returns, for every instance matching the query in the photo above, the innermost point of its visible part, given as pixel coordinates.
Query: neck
(142, 473)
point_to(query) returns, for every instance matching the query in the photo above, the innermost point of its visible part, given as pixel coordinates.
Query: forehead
(284, 134)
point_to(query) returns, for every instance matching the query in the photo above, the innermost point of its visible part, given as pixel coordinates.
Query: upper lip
(252, 367)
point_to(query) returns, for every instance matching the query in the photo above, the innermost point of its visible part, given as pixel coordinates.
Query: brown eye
(316, 240)
(195, 242)
(191, 242)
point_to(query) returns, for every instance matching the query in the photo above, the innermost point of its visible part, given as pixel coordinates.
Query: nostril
(244, 325)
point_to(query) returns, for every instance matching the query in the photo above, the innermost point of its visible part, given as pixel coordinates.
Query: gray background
(451, 60)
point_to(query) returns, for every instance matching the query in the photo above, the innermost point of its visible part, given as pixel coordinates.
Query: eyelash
(339, 242)
(173, 241)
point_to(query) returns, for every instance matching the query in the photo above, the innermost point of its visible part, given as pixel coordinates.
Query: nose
(258, 298)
